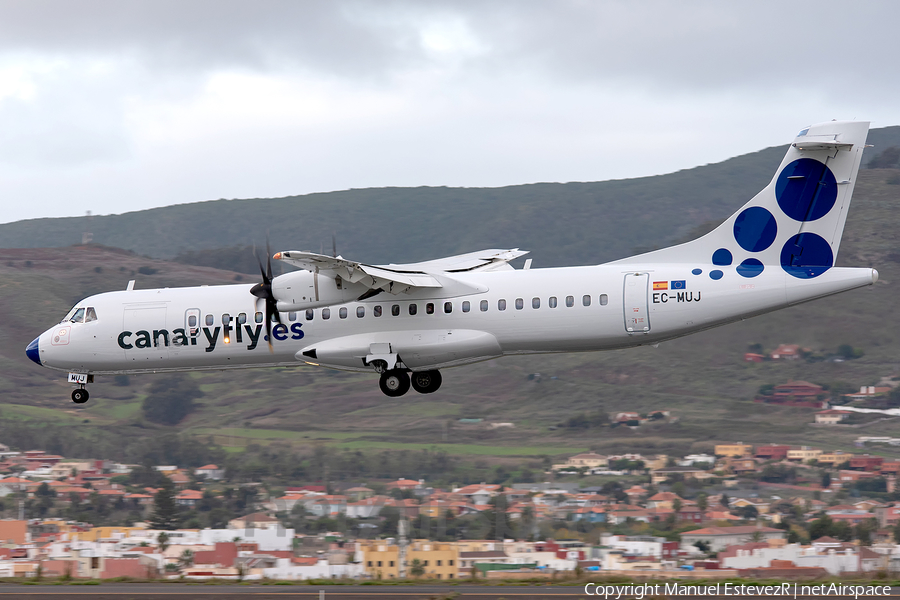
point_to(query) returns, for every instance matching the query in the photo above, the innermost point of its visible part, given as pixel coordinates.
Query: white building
(835, 561)
(284, 569)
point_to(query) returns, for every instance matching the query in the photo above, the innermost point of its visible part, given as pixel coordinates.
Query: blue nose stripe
(32, 351)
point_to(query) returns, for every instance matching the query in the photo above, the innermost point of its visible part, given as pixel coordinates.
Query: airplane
(407, 322)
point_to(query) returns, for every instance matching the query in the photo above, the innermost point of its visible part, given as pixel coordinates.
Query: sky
(116, 106)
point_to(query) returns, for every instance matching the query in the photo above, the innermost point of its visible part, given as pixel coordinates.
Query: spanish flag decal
(660, 285)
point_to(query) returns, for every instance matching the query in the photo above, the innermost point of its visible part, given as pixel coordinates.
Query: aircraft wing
(483, 260)
(398, 279)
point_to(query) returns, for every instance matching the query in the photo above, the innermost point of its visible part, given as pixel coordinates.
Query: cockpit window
(90, 315)
(78, 317)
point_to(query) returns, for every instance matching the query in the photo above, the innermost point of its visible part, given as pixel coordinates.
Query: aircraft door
(637, 315)
(149, 339)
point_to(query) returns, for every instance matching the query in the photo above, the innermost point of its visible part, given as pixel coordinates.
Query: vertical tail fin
(795, 223)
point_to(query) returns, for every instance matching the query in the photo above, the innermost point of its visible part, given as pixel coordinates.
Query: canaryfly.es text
(787, 590)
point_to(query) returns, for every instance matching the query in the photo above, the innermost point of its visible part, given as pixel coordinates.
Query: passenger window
(604, 299)
(242, 318)
(309, 314)
(360, 311)
(192, 321)
(343, 312)
(211, 319)
(484, 305)
(570, 301)
(520, 304)
(413, 309)
(535, 303)
(552, 302)
(90, 315)
(429, 308)
(292, 316)
(395, 310)
(501, 304)
(326, 314)
(466, 306)
(258, 317)
(586, 300)
(226, 319)
(377, 310)
(448, 307)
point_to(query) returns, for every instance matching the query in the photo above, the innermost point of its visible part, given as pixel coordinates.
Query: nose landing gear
(80, 395)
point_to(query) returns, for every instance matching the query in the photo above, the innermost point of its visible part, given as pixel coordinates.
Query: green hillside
(702, 379)
(562, 224)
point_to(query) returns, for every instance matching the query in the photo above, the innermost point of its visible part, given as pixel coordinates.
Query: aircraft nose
(32, 350)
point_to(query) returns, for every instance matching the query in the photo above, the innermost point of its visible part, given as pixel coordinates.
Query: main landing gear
(396, 382)
(80, 395)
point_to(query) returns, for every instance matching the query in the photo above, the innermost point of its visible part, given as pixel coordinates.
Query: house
(866, 462)
(831, 416)
(663, 500)
(660, 475)
(887, 516)
(786, 352)
(210, 472)
(772, 452)
(837, 457)
(255, 520)
(188, 497)
(589, 460)
(741, 465)
(753, 357)
(624, 417)
(803, 454)
(355, 494)
(478, 493)
(403, 484)
(868, 391)
(803, 390)
(760, 506)
(635, 492)
(720, 538)
(739, 449)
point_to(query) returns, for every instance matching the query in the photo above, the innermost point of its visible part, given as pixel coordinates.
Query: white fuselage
(546, 310)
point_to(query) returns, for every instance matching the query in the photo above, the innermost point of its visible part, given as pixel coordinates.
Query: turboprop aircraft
(407, 322)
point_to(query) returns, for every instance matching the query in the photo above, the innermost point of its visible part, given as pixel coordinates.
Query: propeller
(263, 291)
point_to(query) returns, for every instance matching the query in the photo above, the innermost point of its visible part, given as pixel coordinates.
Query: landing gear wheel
(426, 382)
(394, 383)
(80, 396)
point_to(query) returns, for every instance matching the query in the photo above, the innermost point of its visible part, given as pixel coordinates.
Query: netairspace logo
(787, 590)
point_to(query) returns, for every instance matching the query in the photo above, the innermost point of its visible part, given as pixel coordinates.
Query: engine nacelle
(301, 290)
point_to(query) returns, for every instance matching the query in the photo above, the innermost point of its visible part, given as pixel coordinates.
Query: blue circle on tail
(755, 229)
(806, 189)
(722, 257)
(806, 255)
(750, 268)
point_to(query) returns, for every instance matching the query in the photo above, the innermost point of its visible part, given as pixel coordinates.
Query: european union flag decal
(678, 285)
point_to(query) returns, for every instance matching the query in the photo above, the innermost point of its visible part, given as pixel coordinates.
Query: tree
(165, 512)
(416, 568)
(187, 557)
(724, 500)
(826, 480)
(162, 541)
(170, 400)
(677, 505)
(702, 502)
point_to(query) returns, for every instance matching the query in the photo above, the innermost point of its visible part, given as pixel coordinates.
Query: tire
(426, 382)
(394, 383)
(80, 396)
